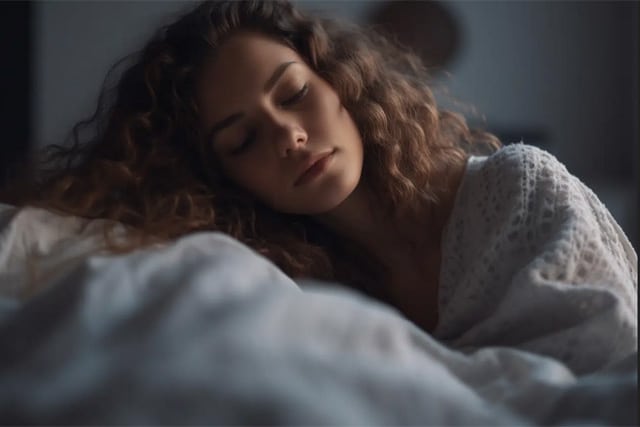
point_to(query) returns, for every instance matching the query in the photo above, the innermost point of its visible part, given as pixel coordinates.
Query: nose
(289, 137)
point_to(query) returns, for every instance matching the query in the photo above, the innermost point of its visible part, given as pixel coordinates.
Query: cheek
(324, 109)
(255, 175)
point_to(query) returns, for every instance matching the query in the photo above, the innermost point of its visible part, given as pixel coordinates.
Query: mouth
(314, 168)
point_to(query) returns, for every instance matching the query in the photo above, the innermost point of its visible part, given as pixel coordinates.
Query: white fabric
(205, 331)
(533, 260)
(36, 245)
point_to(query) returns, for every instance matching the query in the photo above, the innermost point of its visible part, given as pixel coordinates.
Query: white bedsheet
(205, 331)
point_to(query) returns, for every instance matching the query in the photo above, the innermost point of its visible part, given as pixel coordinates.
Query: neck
(391, 240)
(361, 220)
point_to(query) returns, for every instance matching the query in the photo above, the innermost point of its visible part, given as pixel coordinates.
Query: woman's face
(277, 129)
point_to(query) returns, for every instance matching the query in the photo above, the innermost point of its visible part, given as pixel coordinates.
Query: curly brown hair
(142, 164)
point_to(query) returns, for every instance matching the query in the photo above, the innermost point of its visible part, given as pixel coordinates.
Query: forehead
(239, 70)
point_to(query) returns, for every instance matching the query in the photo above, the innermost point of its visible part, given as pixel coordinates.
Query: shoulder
(523, 174)
(526, 192)
(519, 160)
(516, 196)
(511, 174)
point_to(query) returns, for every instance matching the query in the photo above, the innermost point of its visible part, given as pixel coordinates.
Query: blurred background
(559, 75)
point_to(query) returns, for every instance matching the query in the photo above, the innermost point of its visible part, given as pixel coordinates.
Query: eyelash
(251, 137)
(298, 96)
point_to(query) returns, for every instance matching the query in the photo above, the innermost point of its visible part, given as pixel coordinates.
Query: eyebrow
(232, 118)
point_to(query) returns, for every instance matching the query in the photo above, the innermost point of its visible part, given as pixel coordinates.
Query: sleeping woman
(321, 146)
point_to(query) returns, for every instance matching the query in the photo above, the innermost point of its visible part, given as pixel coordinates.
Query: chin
(321, 198)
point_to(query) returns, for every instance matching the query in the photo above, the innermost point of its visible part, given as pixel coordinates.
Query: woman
(321, 146)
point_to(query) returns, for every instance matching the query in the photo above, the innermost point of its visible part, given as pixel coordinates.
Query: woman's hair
(144, 163)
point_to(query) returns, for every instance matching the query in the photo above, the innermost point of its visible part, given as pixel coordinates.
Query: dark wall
(15, 84)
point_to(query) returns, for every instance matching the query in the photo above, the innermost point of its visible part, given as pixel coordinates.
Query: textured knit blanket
(533, 260)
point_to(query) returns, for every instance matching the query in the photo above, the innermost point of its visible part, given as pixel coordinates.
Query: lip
(314, 167)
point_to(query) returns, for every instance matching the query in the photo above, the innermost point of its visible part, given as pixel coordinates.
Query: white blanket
(204, 331)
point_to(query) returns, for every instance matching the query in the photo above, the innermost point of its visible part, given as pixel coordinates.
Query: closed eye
(248, 141)
(251, 136)
(297, 97)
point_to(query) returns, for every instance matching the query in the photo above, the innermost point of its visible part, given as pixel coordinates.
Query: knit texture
(533, 260)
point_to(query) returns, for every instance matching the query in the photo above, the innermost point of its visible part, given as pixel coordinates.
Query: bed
(203, 330)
